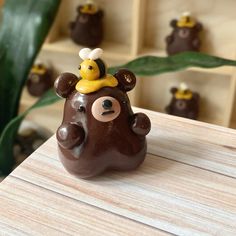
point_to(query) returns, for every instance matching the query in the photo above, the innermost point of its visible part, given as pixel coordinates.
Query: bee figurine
(93, 72)
(87, 29)
(99, 130)
(184, 102)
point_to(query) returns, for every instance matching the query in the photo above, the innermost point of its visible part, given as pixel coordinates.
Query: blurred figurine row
(87, 29)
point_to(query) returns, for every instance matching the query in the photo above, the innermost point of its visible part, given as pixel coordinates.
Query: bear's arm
(141, 124)
(192, 115)
(70, 135)
(196, 43)
(168, 109)
(72, 25)
(169, 39)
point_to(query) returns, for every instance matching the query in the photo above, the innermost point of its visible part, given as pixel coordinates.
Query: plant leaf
(9, 133)
(151, 65)
(24, 26)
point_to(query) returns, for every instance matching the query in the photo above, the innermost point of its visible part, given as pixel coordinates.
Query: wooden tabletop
(186, 186)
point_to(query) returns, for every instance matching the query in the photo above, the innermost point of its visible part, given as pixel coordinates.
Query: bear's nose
(107, 104)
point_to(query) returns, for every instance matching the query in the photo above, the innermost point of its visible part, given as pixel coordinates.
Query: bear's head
(104, 105)
(184, 31)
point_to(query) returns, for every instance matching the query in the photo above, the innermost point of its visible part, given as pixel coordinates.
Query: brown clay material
(183, 38)
(90, 144)
(187, 108)
(38, 83)
(87, 29)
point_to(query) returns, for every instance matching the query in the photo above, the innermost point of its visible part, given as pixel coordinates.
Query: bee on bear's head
(93, 72)
(89, 8)
(183, 92)
(186, 20)
(92, 67)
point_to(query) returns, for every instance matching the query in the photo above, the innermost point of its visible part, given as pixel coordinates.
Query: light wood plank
(192, 142)
(184, 191)
(37, 211)
(162, 193)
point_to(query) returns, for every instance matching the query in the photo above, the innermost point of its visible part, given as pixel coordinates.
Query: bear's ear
(173, 23)
(65, 84)
(198, 27)
(196, 96)
(126, 79)
(100, 14)
(173, 90)
(79, 8)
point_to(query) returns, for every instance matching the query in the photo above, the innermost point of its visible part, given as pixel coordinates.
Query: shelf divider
(137, 26)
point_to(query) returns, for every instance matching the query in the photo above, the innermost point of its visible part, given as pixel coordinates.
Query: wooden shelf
(111, 49)
(141, 27)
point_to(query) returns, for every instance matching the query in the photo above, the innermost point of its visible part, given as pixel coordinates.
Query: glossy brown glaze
(183, 39)
(87, 29)
(187, 108)
(38, 83)
(116, 144)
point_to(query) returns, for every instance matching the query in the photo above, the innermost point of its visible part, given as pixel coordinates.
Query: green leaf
(151, 65)
(9, 133)
(24, 26)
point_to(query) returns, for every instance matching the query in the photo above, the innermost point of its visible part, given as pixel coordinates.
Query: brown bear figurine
(39, 80)
(87, 29)
(184, 36)
(184, 103)
(99, 130)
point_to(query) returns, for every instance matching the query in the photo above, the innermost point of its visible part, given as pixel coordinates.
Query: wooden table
(186, 186)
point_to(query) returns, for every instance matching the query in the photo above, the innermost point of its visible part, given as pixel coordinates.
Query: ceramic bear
(184, 103)
(185, 35)
(87, 29)
(99, 130)
(39, 80)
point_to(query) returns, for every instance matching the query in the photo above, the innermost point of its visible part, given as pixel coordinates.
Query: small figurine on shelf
(185, 35)
(40, 80)
(184, 102)
(99, 130)
(87, 29)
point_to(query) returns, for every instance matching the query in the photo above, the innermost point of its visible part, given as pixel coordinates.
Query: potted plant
(23, 29)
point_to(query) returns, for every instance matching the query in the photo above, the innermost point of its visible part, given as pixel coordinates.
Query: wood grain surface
(186, 186)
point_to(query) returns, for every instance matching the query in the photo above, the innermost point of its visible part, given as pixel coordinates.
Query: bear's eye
(90, 67)
(107, 104)
(81, 108)
(79, 67)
